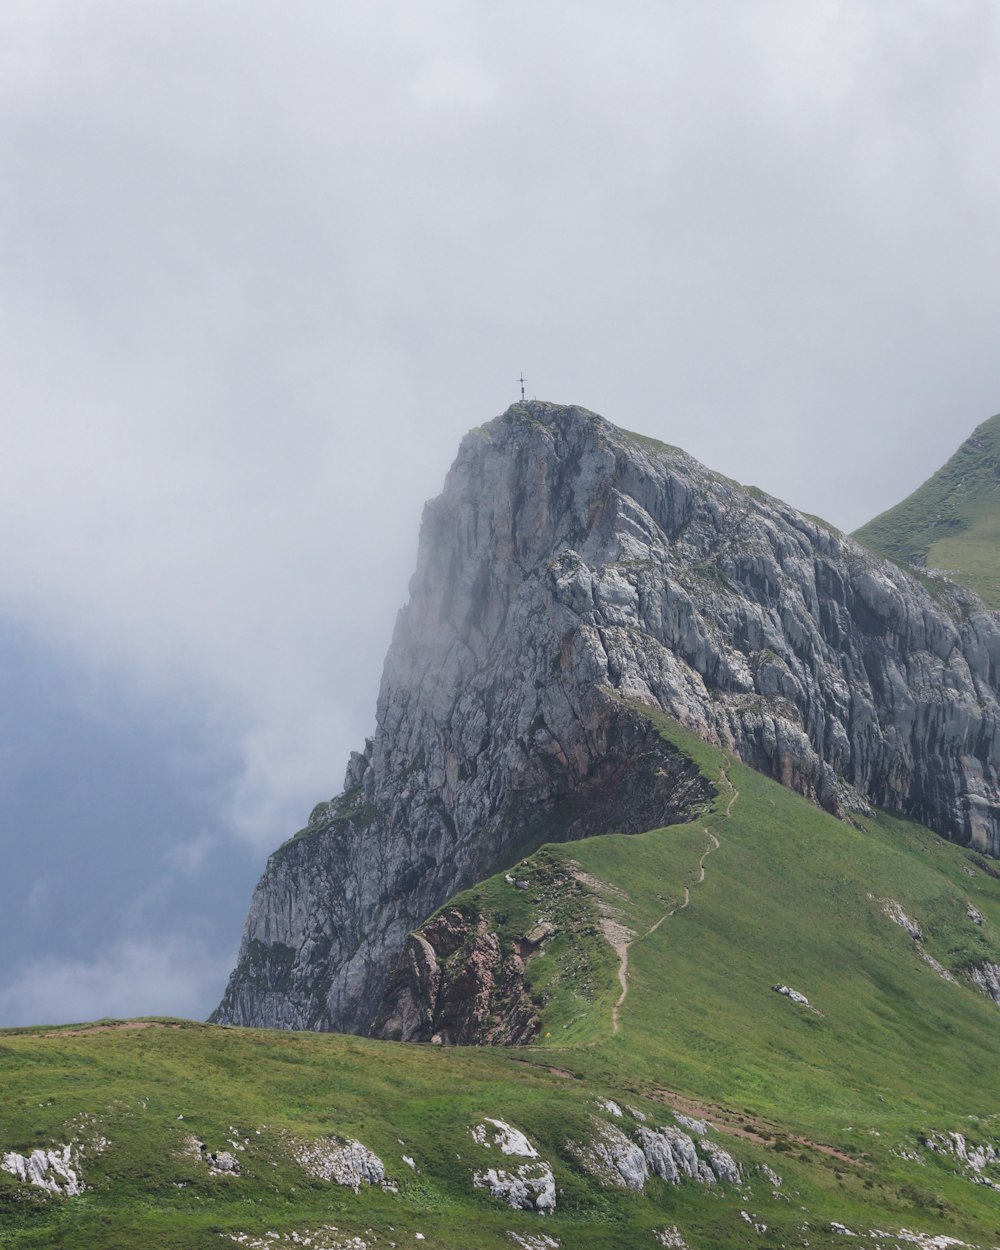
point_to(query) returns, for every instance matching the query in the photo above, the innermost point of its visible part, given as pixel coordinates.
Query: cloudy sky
(261, 266)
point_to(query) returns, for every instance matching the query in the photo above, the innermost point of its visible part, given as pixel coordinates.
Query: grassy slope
(891, 1051)
(952, 522)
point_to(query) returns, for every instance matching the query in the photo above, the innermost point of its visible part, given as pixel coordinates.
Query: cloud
(263, 269)
(173, 975)
(38, 899)
(230, 291)
(189, 857)
(450, 82)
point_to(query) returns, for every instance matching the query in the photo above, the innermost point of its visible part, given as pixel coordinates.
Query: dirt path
(734, 794)
(113, 1026)
(742, 1124)
(622, 939)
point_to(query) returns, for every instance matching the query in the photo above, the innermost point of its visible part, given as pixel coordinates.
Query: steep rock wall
(567, 571)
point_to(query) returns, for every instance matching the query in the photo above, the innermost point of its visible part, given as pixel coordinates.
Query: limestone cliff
(569, 572)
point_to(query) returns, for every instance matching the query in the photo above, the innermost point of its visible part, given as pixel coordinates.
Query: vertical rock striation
(568, 574)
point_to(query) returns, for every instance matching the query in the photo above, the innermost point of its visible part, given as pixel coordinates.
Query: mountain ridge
(951, 523)
(746, 1021)
(568, 568)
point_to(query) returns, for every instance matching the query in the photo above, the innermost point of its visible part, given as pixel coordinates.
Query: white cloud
(172, 975)
(450, 82)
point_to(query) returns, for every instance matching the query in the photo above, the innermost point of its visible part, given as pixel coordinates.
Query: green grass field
(833, 1097)
(952, 522)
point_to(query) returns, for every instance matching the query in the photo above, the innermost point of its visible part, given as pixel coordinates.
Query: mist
(263, 267)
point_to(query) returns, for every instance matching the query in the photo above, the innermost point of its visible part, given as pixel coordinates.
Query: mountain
(721, 1014)
(672, 1094)
(951, 524)
(572, 579)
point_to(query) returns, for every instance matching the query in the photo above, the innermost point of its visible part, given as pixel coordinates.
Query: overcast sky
(261, 266)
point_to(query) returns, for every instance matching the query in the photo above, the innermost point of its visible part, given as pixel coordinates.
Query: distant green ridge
(952, 522)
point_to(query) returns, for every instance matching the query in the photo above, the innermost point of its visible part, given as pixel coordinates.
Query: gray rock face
(670, 1237)
(569, 573)
(664, 1152)
(722, 1163)
(659, 1151)
(347, 1163)
(54, 1170)
(498, 1133)
(455, 983)
(978, 1161)
(986, 977)
(794, 995)
(223, 1161)
(616, 1160)
(529, 1187)
(896, 914)
(672, 1155)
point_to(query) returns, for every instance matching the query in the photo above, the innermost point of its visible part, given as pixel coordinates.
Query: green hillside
(839, 1097)
(952, 522)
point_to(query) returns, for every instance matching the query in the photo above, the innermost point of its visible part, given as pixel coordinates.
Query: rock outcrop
(55, 1170)
(986, 977)
(618, 1160)
(569, 575)
(457, 984)
(347, 1163)
(529, 1186)
(794, 995)
(896, 914)
(980, 1162)
(463, 977)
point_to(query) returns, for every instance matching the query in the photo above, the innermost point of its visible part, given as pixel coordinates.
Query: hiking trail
(621, 947)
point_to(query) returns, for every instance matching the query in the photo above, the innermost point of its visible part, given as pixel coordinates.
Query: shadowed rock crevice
(458, 983)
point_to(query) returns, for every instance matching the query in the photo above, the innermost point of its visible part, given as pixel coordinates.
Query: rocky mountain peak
(570, 575)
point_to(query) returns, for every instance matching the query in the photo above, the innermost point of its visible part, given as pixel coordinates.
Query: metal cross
(522, 379)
